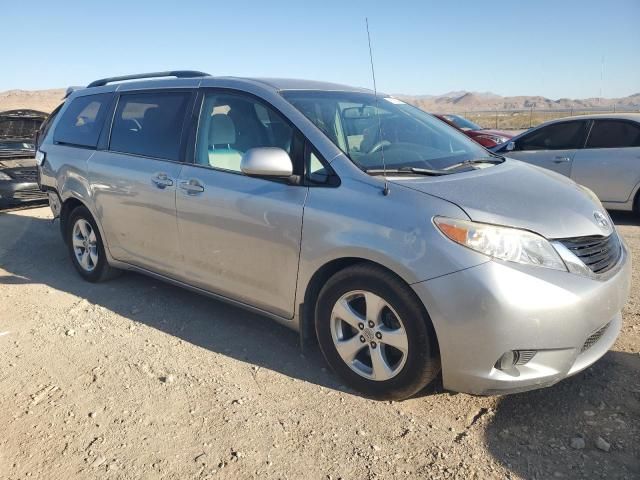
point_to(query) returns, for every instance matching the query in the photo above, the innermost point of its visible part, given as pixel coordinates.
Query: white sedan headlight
(504, 243)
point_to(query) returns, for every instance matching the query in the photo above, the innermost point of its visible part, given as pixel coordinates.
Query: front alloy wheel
(369, 335)
(375, 333)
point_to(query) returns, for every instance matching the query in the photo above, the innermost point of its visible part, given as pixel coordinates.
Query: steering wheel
(379, 146)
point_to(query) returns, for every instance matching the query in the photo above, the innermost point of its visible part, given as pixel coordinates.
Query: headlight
(4, 176)
(493, 138)
(40, 157)
(504, 243)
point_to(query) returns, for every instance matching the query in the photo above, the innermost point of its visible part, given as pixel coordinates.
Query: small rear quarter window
(81, 123)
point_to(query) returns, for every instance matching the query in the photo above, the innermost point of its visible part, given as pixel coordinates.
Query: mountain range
(456, 101)
(463, 101)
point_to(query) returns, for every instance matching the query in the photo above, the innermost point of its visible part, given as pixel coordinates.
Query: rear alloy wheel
(84, 242)
(86, 247)
(375, 333)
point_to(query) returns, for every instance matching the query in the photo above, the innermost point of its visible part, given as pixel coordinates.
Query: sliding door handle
(161, 180)
(192, 186)
(560, 159)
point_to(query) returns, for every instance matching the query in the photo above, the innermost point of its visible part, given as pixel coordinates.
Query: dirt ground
(137, 379)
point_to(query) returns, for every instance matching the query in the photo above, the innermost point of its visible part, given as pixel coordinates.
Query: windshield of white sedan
(407, 138)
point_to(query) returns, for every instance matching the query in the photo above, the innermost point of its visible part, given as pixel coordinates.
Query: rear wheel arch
(67, 207)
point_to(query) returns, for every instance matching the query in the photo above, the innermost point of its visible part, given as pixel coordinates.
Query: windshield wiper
(407, 170)
(475, 161)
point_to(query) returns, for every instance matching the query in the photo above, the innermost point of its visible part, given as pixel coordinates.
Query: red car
(485, 137)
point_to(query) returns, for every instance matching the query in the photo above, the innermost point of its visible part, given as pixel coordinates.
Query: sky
(550, 48)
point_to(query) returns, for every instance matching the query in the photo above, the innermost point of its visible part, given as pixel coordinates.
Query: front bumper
(18, 192)
(484, 311)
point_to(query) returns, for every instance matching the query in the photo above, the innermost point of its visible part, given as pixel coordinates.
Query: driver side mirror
(510, 146)
(270, 162)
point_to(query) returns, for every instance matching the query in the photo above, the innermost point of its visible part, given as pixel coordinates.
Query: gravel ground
(139, 379)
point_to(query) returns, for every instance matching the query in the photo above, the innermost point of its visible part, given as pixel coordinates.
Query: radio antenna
(375, 93)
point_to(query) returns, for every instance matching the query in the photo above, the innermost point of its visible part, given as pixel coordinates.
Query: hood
(518, 195)
(20, 124)
(487, 131)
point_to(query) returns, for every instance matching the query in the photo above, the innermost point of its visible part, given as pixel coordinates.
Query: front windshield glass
(406, 136)
(16, 146)
(462, 122)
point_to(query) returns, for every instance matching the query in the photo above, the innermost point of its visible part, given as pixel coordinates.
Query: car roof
(597, 116)
(273, 84)
(281, 84)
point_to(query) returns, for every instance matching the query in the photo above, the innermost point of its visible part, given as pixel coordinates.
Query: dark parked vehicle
(486, 137)
(18, 172)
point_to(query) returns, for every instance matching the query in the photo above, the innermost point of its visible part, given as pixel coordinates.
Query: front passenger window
(557, 136)
(231, 124)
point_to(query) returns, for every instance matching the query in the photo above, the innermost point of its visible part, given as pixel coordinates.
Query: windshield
(16, 146)
(462, 122)
(403, 135)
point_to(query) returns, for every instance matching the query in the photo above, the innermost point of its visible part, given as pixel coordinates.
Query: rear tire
(375, 333)
(86, 247)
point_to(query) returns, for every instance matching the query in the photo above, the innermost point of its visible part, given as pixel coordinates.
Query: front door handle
(561, 159)
(192, 186)
(162, 180)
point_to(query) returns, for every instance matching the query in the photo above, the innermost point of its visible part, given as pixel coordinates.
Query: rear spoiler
(70, 90)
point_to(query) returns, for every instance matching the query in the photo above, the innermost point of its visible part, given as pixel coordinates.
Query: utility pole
(601, 78)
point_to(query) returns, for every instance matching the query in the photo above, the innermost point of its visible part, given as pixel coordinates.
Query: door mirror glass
(510, 146)
(271, 162)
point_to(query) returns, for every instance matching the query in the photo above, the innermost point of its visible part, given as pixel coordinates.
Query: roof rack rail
(137, 76)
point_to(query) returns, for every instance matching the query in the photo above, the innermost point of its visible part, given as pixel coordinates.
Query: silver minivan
(404, 248)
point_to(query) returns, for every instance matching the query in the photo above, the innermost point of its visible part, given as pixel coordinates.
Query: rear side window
(81, 123)
(614, 134)
(558, 136)
(150, 124)
(46, 125)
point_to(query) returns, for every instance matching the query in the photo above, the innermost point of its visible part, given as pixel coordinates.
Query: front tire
(86, 247)
(375, 333)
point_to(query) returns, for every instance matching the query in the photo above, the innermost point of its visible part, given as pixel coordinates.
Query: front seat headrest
(222, 131)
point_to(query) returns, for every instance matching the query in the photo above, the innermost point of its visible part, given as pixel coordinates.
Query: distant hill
(457, 101)
(475, 101)
(42, 100)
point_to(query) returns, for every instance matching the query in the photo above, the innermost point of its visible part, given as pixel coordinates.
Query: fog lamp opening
(508, 360)
(511, 358)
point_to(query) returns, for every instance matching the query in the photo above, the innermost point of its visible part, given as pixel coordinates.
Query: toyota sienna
(402, 246)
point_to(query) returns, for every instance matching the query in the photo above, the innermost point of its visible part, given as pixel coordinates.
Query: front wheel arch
(320, 277)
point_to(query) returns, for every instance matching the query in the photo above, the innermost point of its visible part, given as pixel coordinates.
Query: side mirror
(510, 146)
(271, 162)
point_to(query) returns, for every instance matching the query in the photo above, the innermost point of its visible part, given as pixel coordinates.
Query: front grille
(24, 174)
(594, 337)
(29, 194)
(598, 253)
